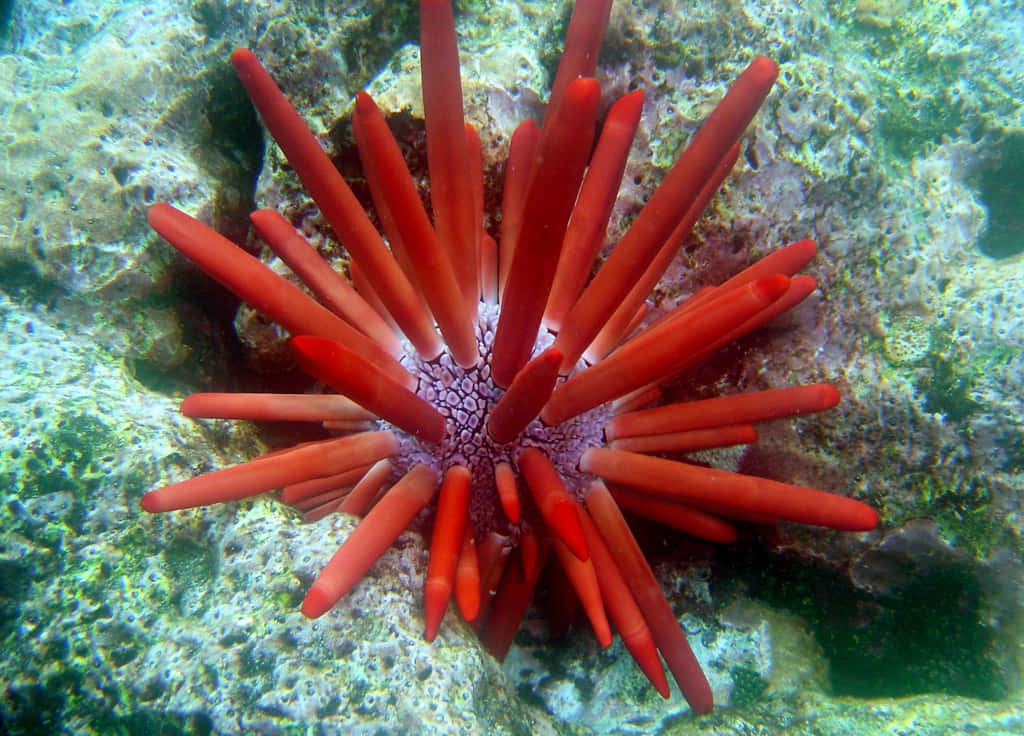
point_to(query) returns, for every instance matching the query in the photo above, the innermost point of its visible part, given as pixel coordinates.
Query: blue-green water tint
(894, 138)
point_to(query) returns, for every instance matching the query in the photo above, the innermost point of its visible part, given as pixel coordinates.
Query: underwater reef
(891, 138)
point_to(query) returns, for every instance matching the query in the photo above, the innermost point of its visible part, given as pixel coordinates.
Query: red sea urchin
(509, 400)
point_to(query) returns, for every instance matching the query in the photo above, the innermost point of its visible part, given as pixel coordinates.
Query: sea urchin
(519, 413)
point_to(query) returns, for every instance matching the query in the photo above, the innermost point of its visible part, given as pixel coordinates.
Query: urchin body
(465, 396)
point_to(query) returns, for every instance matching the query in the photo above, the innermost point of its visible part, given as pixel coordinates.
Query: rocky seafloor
(895, 137)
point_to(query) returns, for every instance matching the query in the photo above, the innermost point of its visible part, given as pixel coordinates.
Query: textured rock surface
(888, 143)
(114, 620)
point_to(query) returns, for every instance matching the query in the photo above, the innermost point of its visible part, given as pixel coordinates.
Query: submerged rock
(887, 143)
